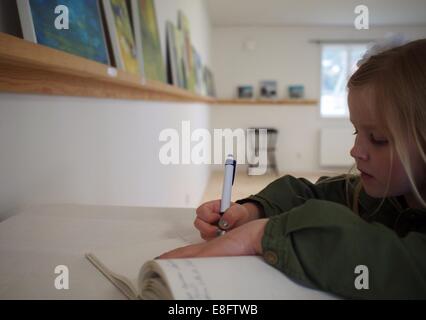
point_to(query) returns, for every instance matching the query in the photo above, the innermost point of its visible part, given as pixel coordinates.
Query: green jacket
(316, 239)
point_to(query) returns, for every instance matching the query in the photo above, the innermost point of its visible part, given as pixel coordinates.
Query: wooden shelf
(308, 102)
(26, 67)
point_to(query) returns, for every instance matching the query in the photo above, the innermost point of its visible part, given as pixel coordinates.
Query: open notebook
(138, 276)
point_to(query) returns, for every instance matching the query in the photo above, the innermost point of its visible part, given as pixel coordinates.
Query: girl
(318, 234)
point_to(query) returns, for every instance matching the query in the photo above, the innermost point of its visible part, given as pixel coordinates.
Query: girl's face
(372, 152)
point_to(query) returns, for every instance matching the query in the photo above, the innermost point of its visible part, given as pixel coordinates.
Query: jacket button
(271, 257)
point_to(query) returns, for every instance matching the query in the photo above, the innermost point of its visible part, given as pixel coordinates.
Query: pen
(228, 181)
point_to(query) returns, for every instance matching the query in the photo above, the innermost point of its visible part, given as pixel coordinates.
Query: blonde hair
(354, 186)
(398, 79)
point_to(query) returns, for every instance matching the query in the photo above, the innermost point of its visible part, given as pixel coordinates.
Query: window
(338, 63)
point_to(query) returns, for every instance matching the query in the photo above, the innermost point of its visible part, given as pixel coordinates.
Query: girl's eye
(355, 132)
(378, 142)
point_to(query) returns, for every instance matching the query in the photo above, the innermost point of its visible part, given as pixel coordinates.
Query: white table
(35, 241)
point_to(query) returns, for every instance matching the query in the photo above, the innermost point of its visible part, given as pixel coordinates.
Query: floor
(245, 185)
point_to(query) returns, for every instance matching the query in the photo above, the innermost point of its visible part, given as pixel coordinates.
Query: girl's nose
(358, 152)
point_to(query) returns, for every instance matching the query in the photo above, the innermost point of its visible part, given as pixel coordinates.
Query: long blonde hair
(398, 79)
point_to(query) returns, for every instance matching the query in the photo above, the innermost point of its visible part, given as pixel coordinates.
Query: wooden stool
(272, 136)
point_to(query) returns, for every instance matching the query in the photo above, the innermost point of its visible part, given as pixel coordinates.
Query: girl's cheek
(398, 173)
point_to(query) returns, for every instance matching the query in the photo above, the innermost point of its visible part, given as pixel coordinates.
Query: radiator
(335, 145)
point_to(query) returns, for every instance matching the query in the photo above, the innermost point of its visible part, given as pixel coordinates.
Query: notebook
(135, 272)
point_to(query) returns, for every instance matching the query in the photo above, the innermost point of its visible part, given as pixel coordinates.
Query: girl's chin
(373, 191)
(376, 189)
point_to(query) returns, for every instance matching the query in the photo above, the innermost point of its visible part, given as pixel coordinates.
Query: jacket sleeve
(288, 192)
(320, 244)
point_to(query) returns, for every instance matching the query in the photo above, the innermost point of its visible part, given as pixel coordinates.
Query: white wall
(99, 151)
(284, 54)
(93, 151)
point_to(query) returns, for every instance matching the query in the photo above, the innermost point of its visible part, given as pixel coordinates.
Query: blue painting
(85, 36)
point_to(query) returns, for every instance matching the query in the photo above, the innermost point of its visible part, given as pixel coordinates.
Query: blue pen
(228, 181)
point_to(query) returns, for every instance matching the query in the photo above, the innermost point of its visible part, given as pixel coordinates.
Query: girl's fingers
(210, 211)
(207, 230)
(233, 217)
(208, 215)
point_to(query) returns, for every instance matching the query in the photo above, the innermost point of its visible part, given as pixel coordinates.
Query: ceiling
(315, 12)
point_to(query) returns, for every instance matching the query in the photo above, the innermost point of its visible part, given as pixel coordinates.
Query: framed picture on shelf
(268, 89)
(198, 69)
(245, 92)
(184, 26)
(148, 39)
(171, 55)
(209, 81)
(296, 91)
(84, 36)
(175, 63)
(173, 58)
(121, 35)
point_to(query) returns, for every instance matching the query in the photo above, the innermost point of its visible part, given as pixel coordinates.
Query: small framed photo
(245, 92)
(296, 91)
(268, 89)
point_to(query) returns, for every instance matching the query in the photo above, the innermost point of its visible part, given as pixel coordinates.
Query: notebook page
(246, 277)
(127, 261)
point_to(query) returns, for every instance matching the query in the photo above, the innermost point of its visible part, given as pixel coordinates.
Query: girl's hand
(242, 241)
(208, 217)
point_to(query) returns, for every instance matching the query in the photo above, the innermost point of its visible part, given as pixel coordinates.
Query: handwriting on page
(190, 280)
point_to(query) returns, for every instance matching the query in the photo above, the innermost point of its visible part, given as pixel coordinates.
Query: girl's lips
(365, 175)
